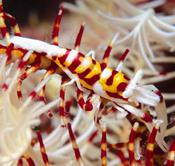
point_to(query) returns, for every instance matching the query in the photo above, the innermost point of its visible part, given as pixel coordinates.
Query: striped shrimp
(89, 75)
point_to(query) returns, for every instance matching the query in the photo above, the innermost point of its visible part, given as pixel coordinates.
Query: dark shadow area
(44, 9)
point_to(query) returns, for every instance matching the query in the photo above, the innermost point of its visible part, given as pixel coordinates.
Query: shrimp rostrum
(90, 76)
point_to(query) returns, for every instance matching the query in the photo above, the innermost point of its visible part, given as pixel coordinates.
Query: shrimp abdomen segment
(112, 83)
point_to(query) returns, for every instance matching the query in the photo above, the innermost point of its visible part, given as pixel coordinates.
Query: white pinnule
(15, 125)
(143, 28)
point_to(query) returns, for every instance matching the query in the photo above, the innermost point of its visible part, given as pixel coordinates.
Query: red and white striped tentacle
(56, 27)
(150, 145)
(131, 145)
(103, 147)
(171, 155)
(42, 149)
(75, 145)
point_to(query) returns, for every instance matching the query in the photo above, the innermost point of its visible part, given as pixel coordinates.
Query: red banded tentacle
(23, 61)
(9, 51)
(92, 136)
(3, 29)
(89, 98)
(147, 117)
(56, 27)
(122, 59)
(98, 115)
(74, 145)
(117, 148)
(20, 162)
(103, 147)
(68, 105)
(150, 145)
(29, 160)
(131, 148)
(117, 145)
(79, 37)
(87, 106)
(107, 52)
(121, 156)
(33, 141)
(61, 107)
(42, 149)
(23, 77)
(13, 23)
(64, 108)
(171, 155)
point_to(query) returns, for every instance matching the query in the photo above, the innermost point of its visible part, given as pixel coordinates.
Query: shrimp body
(105, 82)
